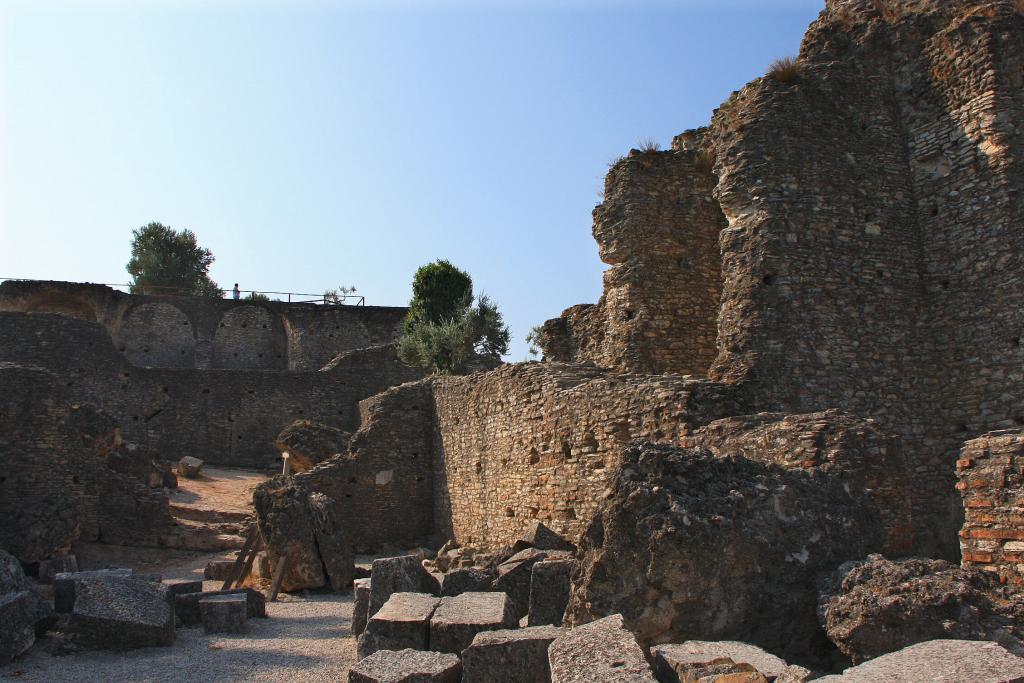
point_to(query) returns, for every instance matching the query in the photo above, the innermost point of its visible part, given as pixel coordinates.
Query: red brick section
(990, 481)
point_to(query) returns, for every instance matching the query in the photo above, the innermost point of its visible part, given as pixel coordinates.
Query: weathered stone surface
(877, 606)
(938, 660)
(65, 585)
(309, 443)
(538, 535)
(403, 574)
(332, 540)
(57, 565)
(549, 591)
(514, 575)
(795, 674)
(190, 467)
(287, 526)
(602, 651)
(360, 605)
(224, 613)
(120, 613)
(13, 580)
(186, 605)
(406, 666)
(176, 588)
(402, 622)
(17, 624)
(218, 570)
(509, 656)
(718, 548)
(674, 662)
(458, 619)
(466, 580)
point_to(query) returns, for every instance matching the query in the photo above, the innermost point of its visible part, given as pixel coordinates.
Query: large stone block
(310, 443)
(17, 624)
(360, 605)
(13, 580)
(287, 527)
(466, 580)
(332, 540)
(690, 660)
(549, 591)
(186, 605)
(224, 613)
(120, 613)
(509, 656)
(602, 651)
(406, 666)
(514, 577)
(48, 569)
(403, 622)
(190, 467)
(65, 585)
(403, 574)
(938, 660)
(458, 619)
(539, 536)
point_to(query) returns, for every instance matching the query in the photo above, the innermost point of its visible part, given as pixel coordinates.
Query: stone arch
(62, 304)
(245, 339)
(157, 335)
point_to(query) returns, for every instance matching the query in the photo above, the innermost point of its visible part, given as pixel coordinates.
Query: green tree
(440, 292)
(166, 261)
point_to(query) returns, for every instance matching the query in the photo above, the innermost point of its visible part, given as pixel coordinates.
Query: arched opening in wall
(61, 304)
(157, 334)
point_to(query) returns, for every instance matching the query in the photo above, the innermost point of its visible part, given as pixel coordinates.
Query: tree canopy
(168, 261)
(440, 292)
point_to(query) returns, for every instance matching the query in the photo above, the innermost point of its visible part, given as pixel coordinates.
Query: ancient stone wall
(193, 332)
(226, 417)
(991, 482)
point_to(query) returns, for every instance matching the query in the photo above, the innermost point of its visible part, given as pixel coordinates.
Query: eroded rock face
(688, 546)
(287, 526)
(309, 443)
(602, 651)
(332, 540)
(938, 660)
(877, 606)
(13, 580)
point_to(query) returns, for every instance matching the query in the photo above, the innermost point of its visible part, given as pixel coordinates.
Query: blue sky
(316, 144)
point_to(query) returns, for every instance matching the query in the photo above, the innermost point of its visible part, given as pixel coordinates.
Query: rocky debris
(48, 569)
(680, 662)
(549, 591)
(287, 526)
(332, 542)
(224, 613)
(190, 467)
(406, 666)
(186, 605)
(121, 613)
(402, 622)
(310, 443)
(458, 619)
(17, 624)
(509, 656)
(795, 674)
(967, 661)
(466, 580)
(515, 573)
(403, 574)
(13, 580)
(65, 585)
(360, 605)
(602, 651)
(218, 570)
(538, 536)
(689, 546)
(877, 606)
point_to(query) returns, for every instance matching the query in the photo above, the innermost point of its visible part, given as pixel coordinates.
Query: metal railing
(335, 299)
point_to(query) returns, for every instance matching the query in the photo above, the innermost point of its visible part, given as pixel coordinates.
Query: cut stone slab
(190, 467)
(360, 605)
(466, 580)
(514, 578)
(64, 585)
(509, 656)
(403, 622)
(549, 591)
(976, 661)
(406, 666)
(48, 569)
(177, 588)
(404, 574)
(17, 624)
(224, 613)
(458, 619)
(673, 662)
(541, 537)
(121, 613)
(186, 605)
(218, 570)
(602, 651)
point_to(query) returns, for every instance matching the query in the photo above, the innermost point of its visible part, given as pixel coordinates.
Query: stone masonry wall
(991, 482)
(193, 332)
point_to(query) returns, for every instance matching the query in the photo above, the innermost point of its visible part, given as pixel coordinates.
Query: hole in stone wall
(961, 428)
(183, 352)
(135, 418)
(351, 480)
(222, 325)
(123, 349)
(145, 350)
(419, 478)
(239, 437)
(944, 284)
(185, 323)
(768, 279)
(206, 391)
(167, 390)
(3, 479)
(935, 211)
(75, 479)
(1017, 342)
(509, 512)
(236, 354)
(534, 456)
(124, 374)
(264, 326)
(479, 466)
(629, 315)
(869, 216)
(244, 325)
(415, 455)
(566, 451)
(1018, 419)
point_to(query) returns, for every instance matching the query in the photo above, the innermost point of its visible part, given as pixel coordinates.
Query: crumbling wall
(991, 481)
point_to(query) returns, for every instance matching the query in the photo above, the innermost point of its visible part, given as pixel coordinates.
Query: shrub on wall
(166, 261)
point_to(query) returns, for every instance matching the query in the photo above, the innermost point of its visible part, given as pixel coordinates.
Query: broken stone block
(404, 574)
(13, 580)
(190, 467)
(17, 624)
(64, 585)
(121, 613)
(795, 674)
(602, 651)
(509, 656)
(549, 591)
(287, 527)
(332, 541)
(360, 605)
(538, 536)
(676, 662)
(406, 666)
(514, 577)
(186, 605)
(458, 619)
(177, 588)
(403, 622)
(466, 580)
(938, 660)
(64, 564)
(224, 613)
(218, 570)
(310, 443)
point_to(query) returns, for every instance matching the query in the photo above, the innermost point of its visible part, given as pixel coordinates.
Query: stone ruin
(798, 403)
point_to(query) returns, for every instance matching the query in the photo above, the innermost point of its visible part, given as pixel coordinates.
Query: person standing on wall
(235, 294)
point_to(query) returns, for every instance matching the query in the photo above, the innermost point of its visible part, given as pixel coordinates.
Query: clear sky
(316, 144)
